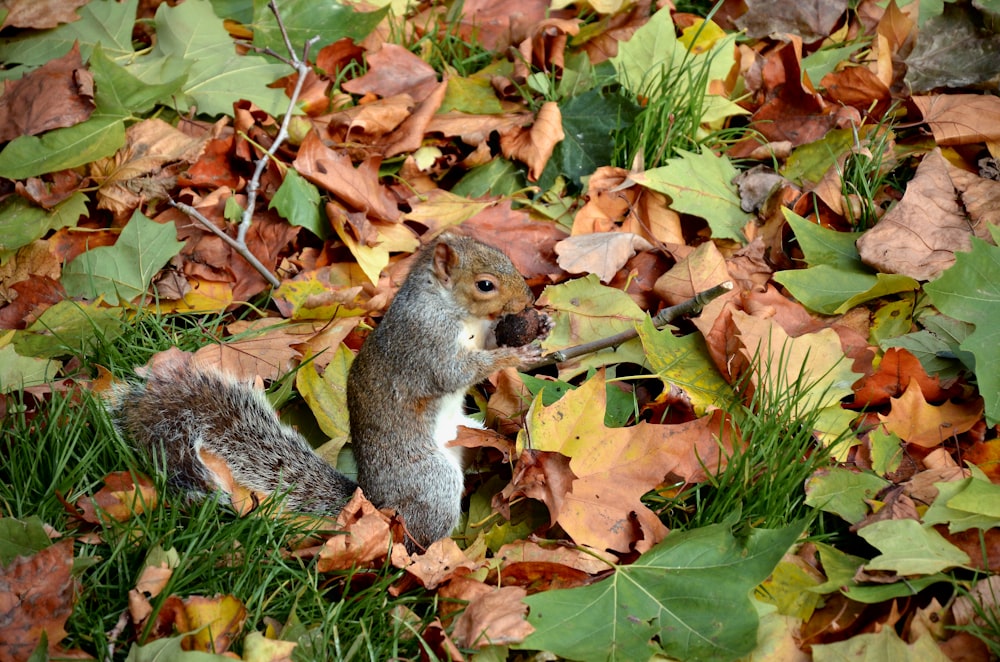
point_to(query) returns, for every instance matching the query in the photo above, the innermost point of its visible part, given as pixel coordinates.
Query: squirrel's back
(180, 411)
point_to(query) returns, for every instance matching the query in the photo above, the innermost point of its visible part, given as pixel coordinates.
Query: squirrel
(405, 393)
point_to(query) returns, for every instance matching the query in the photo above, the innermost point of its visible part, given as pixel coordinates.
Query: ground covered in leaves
(809, 468)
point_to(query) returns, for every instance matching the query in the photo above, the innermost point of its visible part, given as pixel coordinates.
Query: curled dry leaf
(497, 618)
(534, 146)
(601, 253)
(367, 537)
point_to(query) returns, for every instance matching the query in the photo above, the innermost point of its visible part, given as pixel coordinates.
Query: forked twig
(301, 66)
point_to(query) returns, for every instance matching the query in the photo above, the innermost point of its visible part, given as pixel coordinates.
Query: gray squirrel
(405, 394)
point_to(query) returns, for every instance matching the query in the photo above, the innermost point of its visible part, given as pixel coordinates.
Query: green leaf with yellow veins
(124, 271)
(836, 280)
(701, 185)
(911, 549)
(969, 291)
(684, 362)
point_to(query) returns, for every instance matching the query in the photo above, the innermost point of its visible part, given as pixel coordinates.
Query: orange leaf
(614, 467)
(120, 498)
(915, 421)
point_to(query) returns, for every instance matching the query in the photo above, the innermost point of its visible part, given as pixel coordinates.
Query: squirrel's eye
(485, 286)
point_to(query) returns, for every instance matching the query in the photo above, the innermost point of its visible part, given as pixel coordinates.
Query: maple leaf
(912, 419)
(614, 467)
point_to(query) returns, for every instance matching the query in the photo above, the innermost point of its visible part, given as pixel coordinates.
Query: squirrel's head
(482, 279)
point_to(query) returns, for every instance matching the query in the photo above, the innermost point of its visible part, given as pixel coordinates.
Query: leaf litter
(888, 315)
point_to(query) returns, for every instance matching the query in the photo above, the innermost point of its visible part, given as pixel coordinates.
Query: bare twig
(301, 66)
(664, 317)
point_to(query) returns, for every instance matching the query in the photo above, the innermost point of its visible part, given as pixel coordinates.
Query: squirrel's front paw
(528, 354)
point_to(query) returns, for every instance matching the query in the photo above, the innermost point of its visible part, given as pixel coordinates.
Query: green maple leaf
(690, 593)
(969, 291)
(701, 185)
(125, 270)
(191, 40)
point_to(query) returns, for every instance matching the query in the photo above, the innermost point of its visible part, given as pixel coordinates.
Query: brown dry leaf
(601, 253)
(265, 349)
(961, 119)
(367, 122)
(36, 598)
(59, 93)
(40, 14)
(699, 271)
(359, 188)
(860, 88)
(218, 621)
(497, 24)
(394, 70)
(614, 467)
(137, 172)
(920, 236)
(612, 199)
(497, 618)
(534, 146)
(409, 136)
(809, 19)
(474, 130)
(590, 561)
(508, 402)
(120, 499)
(366, 538)
(529, 244)
(36, 259)
(792, 110)
(442, 560)
(916, 422)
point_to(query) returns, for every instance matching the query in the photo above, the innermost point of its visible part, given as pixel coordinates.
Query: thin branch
(301, 66)
(664, 317)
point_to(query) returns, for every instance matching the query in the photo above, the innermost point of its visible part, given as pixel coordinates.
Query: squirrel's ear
(445, 260)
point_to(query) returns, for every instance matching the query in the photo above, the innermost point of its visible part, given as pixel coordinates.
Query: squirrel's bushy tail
(187, 419)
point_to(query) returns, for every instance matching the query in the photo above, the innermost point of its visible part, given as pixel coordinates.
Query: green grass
(764, 480)
(56, 449)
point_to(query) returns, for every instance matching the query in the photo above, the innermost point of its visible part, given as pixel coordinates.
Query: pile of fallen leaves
(842, 173)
